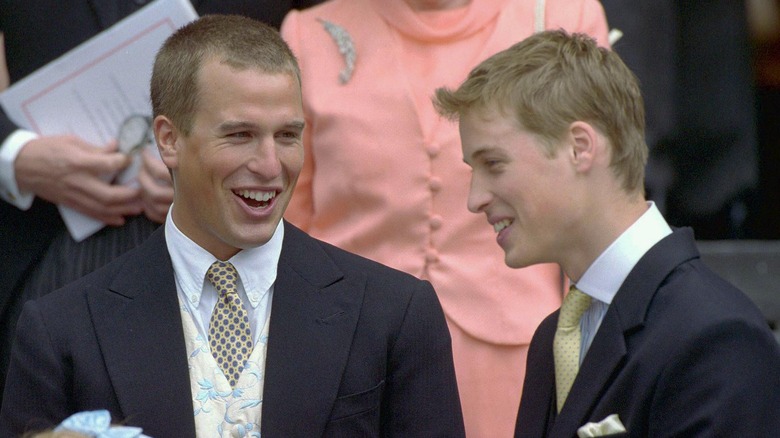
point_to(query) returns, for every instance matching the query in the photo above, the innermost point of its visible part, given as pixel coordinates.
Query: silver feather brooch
(346, 48)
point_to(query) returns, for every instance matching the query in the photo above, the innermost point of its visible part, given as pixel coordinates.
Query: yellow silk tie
(566, 346)
(230, 335)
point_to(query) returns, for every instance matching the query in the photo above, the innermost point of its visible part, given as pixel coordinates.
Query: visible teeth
(258, 196)
(500, 225)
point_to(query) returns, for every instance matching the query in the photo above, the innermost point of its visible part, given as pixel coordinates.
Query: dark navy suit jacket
(355, 349)
(680, 352)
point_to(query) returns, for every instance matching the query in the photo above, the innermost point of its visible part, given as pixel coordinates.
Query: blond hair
(552, 79)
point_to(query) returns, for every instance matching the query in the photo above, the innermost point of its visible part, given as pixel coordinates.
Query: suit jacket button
(434, 183)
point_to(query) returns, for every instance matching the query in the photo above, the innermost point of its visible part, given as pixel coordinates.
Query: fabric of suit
(680, 352)
(36, 32)
(692, 59)
(355, 348)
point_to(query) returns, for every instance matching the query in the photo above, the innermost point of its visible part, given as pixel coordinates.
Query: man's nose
(265, 159)
(478, 197)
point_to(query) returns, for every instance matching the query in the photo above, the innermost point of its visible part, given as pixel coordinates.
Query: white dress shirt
(9, 150)
(604, 276)
(256, 269)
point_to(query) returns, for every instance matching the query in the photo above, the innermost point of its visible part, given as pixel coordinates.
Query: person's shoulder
(353, 264)
(66, 309)
(76, 291)
(695, 306)
(692, 281)
(129, 264)
(323, 11)
(687, 295)
(356, 263)
(693, 285)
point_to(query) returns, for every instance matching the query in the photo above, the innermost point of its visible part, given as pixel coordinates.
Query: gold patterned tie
(566, 346)
(230, 335)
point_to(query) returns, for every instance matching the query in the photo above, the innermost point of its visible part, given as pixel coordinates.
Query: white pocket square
(607, 426)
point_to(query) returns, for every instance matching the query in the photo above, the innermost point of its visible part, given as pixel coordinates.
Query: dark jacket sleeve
(421, 392)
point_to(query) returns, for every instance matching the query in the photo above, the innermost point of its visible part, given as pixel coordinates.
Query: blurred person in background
(693, 62)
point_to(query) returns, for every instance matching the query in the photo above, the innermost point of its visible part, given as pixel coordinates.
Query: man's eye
(493, 166)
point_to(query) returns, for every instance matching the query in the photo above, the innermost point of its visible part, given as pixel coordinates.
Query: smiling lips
(256, 199)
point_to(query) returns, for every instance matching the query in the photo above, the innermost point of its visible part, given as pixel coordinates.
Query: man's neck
(605, 224)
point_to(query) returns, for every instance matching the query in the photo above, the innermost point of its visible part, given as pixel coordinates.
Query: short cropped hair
(552, 79)
(239, 42)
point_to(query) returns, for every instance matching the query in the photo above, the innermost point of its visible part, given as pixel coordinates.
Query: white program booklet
(90, 90)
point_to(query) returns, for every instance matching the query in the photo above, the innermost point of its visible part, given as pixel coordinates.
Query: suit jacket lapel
(537, 406)
(604, 357)
(313, 317)
(626, 316)
(139, 328)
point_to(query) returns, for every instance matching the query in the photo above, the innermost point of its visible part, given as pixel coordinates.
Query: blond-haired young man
(553, 129)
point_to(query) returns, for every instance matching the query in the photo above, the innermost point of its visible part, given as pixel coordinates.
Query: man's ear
(167, 140)
(584, 143)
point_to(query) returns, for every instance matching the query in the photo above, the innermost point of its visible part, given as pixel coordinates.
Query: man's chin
(515, 261)
(255, 236)
(512, 263)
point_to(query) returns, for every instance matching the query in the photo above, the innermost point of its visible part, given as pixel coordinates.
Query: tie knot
(573, 307)
(223, 276)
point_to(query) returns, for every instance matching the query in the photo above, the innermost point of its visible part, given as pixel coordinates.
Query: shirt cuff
(9, 150)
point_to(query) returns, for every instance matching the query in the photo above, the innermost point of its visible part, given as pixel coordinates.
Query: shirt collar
(605, 276)
(256, 267)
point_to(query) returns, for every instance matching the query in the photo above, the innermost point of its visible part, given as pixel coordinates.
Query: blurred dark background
(710, 76)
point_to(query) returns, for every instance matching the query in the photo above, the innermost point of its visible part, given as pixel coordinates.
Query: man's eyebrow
(236, 125)
(484, 150)
(296, 124)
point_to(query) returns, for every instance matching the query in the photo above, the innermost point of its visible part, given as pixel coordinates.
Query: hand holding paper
(88, 92)
(68, 171)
